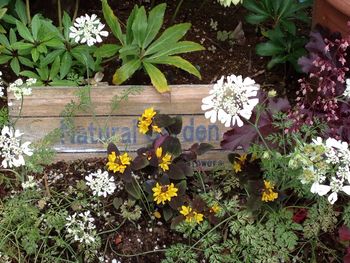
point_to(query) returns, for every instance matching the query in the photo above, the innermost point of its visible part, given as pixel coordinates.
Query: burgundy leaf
(344, 233)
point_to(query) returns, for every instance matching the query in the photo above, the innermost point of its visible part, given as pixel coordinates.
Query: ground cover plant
(282, 194)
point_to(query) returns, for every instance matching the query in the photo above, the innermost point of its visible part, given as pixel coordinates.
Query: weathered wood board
(41, 113)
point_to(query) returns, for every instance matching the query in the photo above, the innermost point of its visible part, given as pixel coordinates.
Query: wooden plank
(210, 160)
(88, 134)
(50, 101)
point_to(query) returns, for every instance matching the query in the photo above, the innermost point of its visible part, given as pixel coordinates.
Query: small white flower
(227, 3)
(87, 30)
(1, 86)
(100, 183)
(20, 89)
(81, 228)
(320, 189)
(31, 183)
(12, 150)
(231, 100)
(346, 93)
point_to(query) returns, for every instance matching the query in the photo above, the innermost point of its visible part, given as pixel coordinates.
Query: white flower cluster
(326, 166)
(227, 3)
(228, 100)
(87, 30)
(31, 183)
(12, 150)
(81, 228)
(1, 86)
(100, 183)
(346, 93)
(20, 89)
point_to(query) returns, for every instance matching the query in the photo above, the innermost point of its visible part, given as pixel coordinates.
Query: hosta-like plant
(140, 48)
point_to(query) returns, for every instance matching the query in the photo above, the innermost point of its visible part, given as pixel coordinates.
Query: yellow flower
(268, 193)
(162, 193)
(155, 128)
(146, 120)
(190, 215)
(157, 215)
(242, 158)
(165, 160)
(118, 163)
(237, 167)
(215, 209)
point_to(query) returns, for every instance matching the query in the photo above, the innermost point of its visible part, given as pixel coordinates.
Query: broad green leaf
(129, 34)
(35, 54)
(177, 62)
(255, 7)
(155, 21)
(4, 59)
(133, 190)
(66, 64)
(289, 26)
(256, 18)
(24, 31)
(139, 26)
(169, 36)
(126, 71)
(20, 9)
(157, 77)
(55, 43)
(179, 48)
(112, 21)
(268, 49)
(55, 68)
(276, 60)
(36, 23)
(42, 48)
(59, 82)
(4, 41)
(21, 45)
(15, 66)
(129, 50)
(12, 36)
(43, 73)
(2, 29)
(50, 57)
(67, 22)
(25, 61)
(2, 12)
(29, 74)
(106, 50)
(81, 53)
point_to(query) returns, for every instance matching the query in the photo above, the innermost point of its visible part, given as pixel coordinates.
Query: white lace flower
(227, 3)
(81, 228)
(346, 93)
(87, 30)
(100, 183)
(231, 100)
(20, 89)
(1, 86)
(31, 183)
(12, 150)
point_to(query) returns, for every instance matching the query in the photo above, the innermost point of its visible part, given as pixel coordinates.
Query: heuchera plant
(320, 94)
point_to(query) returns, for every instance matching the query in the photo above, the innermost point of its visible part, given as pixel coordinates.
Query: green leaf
(106, 50)
(25, 61)
(256, 19)
(4, 41)
(276, 60)
(268, 49)
(36, 24)
(4, 59)
(15, 66)
(55, 43)
(24, 31)
(112, 21)
(126, 71)
(2, 29)
(167, 213)
(169, 36)
(20, 9)
(133, 190)
(139, 26)
(66, 64)
(55, 68)
(12, 36)
(129, 34)
(2, 12)
(35, 54)
(133, 50)
(155, 21)
(177, 62)
(255, 7)
(289, 26)
(179, 48)
(21, 45)
(157, 77)
(42, 48)
(43, 73)
(29, 74)
(66, 22)
(50, 57)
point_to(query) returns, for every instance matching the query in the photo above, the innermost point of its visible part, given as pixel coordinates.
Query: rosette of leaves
(276, 19)
(139, 47)
(41, 51)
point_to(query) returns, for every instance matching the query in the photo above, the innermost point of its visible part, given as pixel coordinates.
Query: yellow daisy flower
(191, 215)
(164, 161)
(163, 193)
(215, 209)
(268, 194)
(118, 163)
(146, 120)
(237, 167)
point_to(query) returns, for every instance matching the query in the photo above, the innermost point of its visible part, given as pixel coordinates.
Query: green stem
(176, 11)
(20, 112)
(260, 135)
(59, 13)
(114, 229)
(76, 10)
(28, 12)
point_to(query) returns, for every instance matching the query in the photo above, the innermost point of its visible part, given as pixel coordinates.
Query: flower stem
(76, 10)
(59, 13)
(28, 12)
